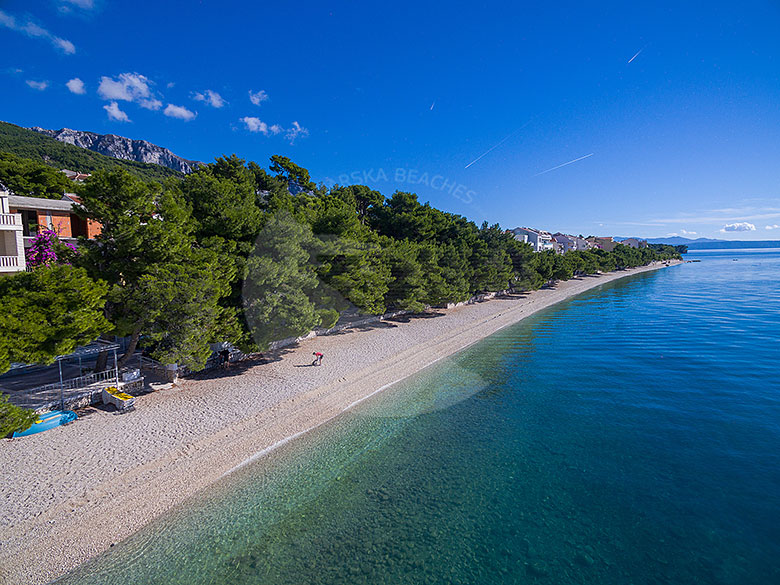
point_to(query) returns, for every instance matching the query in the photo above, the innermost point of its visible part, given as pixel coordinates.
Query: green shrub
(14, 418)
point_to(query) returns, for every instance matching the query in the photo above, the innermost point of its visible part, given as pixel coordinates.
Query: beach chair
(123, 402)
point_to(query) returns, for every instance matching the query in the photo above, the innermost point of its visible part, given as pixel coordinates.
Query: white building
(569, 243)
(11, 239)
(539, 239)
(635, 243)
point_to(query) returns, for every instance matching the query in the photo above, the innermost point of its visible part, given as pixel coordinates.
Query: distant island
(711, 244)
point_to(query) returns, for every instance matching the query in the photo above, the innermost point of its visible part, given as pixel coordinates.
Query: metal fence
(80, 382)
(67, 391)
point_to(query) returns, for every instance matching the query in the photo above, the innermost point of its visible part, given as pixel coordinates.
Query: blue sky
(683, 139)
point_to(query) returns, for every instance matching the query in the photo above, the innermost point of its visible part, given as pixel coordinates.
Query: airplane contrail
(635, 56)
(491, 149)
(565, 164)
(433, 104)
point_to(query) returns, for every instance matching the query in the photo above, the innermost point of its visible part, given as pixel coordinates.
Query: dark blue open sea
(630, 435)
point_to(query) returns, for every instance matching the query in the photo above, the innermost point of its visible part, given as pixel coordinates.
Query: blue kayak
(47, 421)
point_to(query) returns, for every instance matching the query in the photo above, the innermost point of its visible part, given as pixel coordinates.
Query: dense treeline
(667, 249)
(246, 254)
(58, 155)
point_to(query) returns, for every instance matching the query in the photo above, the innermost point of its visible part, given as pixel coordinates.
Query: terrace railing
(49, 393)
(9, 261)
(10, 219)
(80, 382)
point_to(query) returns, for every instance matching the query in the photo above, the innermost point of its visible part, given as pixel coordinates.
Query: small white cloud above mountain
(258, 97)
(210, 97)
(296, 131)
(179, 112)
(255, 124)
(76, 86)
(740, 226)
(773, 227)
(114, 113)
(39, 85)
(129, 87)
(33, 30)
(83, 4)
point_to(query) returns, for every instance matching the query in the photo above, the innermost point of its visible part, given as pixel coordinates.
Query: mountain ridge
(121, 147)
(32, 145)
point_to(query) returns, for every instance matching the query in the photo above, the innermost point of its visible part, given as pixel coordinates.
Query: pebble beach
(70, 493)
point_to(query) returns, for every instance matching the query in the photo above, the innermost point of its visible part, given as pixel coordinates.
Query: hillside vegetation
(32, 145)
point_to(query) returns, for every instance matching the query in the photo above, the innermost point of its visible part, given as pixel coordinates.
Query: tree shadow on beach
(414, 317)
(514, 296)
(361, 327)
(238, 368)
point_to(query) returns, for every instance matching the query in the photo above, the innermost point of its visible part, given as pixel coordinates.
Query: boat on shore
(48, 421)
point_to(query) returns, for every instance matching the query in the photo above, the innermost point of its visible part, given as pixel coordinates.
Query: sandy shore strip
(71, 492)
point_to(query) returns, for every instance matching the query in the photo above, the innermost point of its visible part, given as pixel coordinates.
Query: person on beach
(317, 359)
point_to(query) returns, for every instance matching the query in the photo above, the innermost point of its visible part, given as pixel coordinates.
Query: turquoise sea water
(629, 435)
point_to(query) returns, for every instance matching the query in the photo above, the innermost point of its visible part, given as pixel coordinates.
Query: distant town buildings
(76, 176)
(603, 243)
(569, 243)
(539, 239)
(634, 243)
(561, 243)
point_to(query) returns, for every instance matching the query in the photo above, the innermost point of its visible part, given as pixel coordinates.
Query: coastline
(77, 489)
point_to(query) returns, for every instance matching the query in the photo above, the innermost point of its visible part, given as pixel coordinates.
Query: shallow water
(629, 435)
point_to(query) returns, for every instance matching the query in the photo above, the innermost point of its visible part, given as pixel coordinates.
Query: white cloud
(129, 87)
(39, 85)
(76, 86)
(741, 226)
(765, 212)
(296, 131)
(36, 31)
(255, 124)
(85, 4)
(64, 44)
(114, 113)
(258, 97)
(687, 233)
(212, 98)
(151, 104)
(179, 112)
(773, 227)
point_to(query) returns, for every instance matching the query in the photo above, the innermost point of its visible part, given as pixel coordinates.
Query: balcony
(12, 220)
(28, 241)
(10, 264)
